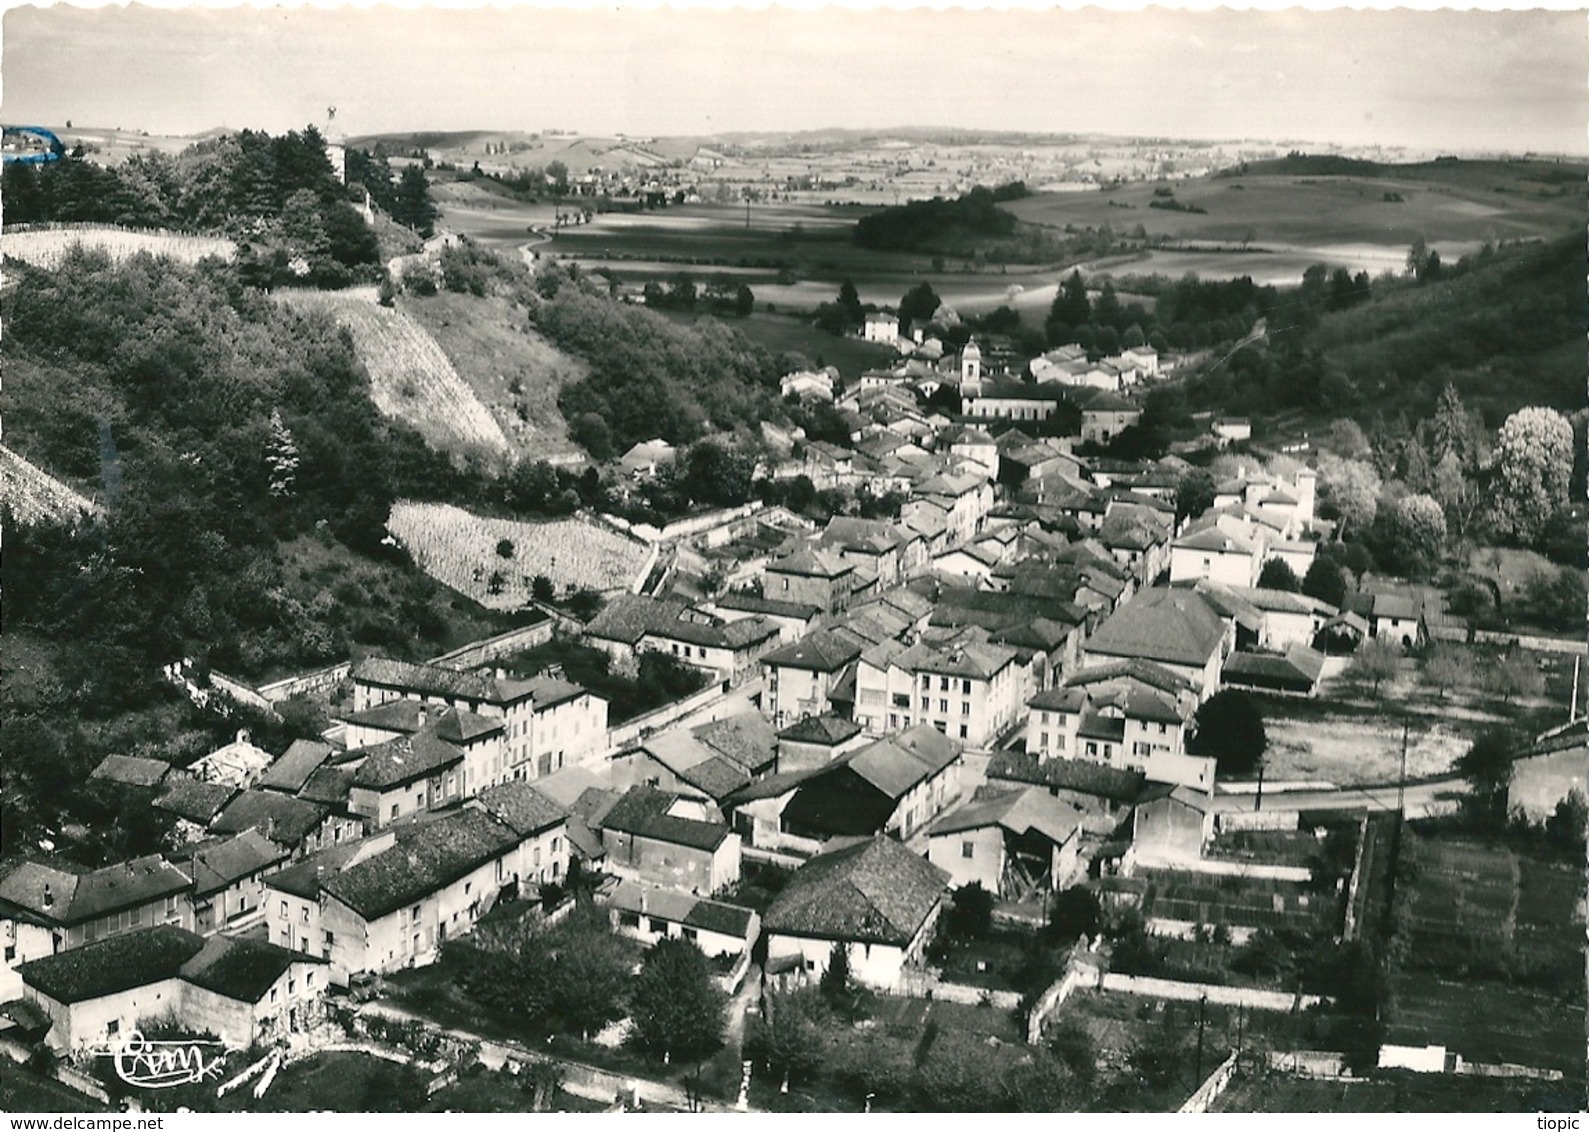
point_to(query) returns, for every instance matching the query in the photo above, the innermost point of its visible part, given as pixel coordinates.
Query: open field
(1403, 1091)
(1493, 965)
(460, 550)
(46, 247)
(1323, 211)
(494, 219)
(513, 371)
(34, 495)
(411, 378)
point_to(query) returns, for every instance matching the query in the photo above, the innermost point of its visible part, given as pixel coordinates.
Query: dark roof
(189, 798)
(1298, 670)
(643, 812)
(76, 897)
(725, 919)
(425, 859)
(431, 679)
(1076, 775)
(733, 635)
(1018, 811)
(244, 855)
(523, 807)
(120, 963)
(278, 817)
(304, 878)
(297, 763)
(771, 607)
(876, 891)
(240, 968)
(628, 617)
(828, 730)
(678, 907)
(329, 786)
(817, 652)
(405, 717)
(1171, 626)
(129, 771)
(404, 759)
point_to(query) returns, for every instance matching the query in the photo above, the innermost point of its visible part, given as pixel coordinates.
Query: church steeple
(971, 369)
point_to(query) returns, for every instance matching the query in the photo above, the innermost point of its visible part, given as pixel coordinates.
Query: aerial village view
(668, 568)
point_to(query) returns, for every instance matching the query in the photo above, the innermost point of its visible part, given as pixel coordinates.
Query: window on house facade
(963, 732)
(415, 913)
(965, 708)
(967, 850)
(926, 703)
(1092, 750)
(965, 687)
(943, 683)
(1042, 739)
(303, 914)
(1059, 742)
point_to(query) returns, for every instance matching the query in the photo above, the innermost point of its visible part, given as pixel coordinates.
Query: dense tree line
(939, 224)
(650, 377)
(277, 196)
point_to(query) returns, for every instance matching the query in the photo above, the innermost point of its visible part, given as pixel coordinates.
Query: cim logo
(148, 1064)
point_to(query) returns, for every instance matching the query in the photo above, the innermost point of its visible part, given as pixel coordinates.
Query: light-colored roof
(1019, 811)
(1170, 626)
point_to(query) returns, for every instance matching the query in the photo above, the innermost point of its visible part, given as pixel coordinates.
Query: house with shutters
(70, 909)
(969, 689)
(548, 722)
(1174, 627)
(391, 901)
(729, 651)
(799, 678)
(229, 880)
(875, 898)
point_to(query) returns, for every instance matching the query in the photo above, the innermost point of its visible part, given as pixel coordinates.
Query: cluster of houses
(997, 687)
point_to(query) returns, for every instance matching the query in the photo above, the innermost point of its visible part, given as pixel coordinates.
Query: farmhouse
(705, 762)
(666, 839)
(876, 898)
(1019, 844)
(245, 991)
(894, 785)
(72, 909)
(651, 914)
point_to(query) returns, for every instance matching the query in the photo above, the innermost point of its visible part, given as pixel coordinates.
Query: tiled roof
(811, 563)
(430, 679)
(628, 617)
(1019, 811)
(1171, 626)
(643, 812)
(297, 763)
(278, 817)
(962, 661)
(876, 891)
(522, 806)
(1075, 775)
(77, 897)
(304, 878)
(822, 651)
(241, 856)
(241, 969)
(120, 963)
(1145, 671)
(683, 908)
(189, 798)
(828, 730)
(126, 770)
(329, 786)
(733, 635)
(404, 759)
(771, 607)
(425, 859)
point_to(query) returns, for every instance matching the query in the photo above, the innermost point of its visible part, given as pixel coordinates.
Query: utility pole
(1258, 802)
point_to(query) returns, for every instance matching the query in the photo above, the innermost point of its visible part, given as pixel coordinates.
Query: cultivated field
(46, 247)
(36, 496)
(460, 550)
(1239, 902)
(411, 378)
(1493, 961)
(1481, 202)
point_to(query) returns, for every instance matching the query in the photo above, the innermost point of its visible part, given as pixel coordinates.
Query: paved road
(1423, 799)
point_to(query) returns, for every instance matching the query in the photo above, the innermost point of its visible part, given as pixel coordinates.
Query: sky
(1457, 81)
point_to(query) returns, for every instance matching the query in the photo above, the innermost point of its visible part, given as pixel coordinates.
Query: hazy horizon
(1453, 81)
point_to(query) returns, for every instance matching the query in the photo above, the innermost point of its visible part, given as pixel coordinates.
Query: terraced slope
(34, 495)
(46, 247)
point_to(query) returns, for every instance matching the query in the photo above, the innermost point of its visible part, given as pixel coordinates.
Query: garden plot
(466, 552)
(1354, 750)
(1238, 902)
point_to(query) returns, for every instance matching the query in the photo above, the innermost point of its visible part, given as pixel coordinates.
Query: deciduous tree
(1533, 466)
(676, 1006)
(1230, 729)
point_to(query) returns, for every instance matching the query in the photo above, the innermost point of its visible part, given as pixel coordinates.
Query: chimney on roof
(242, 735)
(421, 715)
(642, 901)
(501, 673)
